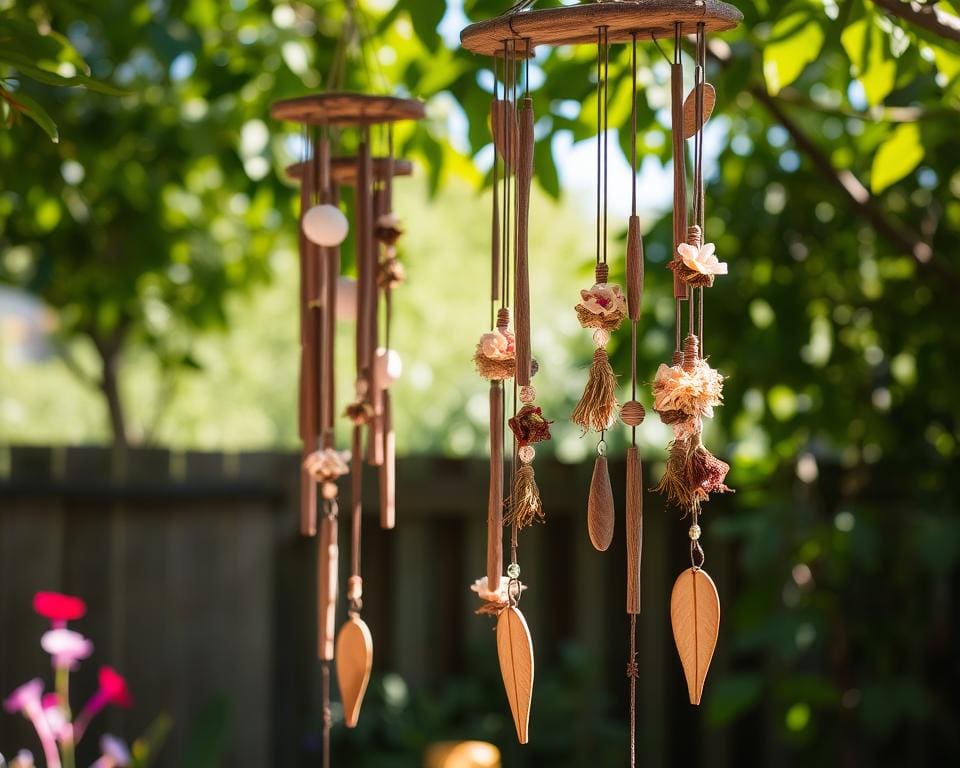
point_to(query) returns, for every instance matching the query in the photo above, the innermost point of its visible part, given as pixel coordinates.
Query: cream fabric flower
(502, 594)
(328, 464)
(604, 299)
(702, 260)
(694, 394)
(497, 346)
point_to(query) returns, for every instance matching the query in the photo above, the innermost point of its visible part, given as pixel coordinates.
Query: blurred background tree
(159, 233)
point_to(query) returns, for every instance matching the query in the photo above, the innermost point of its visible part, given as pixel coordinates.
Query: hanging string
(700, 89)
(678, 158)
(496, 288)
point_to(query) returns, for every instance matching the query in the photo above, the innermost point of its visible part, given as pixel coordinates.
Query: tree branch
(925, 15)
(896, 232)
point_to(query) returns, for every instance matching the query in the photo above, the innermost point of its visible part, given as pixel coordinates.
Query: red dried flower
(529, 426)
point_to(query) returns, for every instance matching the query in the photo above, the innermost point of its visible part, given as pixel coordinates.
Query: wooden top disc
(343, 170)
(347, 109)
(577, 24)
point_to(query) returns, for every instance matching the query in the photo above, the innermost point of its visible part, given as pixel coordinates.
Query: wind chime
(685, 392)
(325, 297)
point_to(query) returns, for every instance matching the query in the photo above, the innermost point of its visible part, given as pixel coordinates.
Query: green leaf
(45, 76)
(872, 63)
(795, 41)
(899, 154)
(30, 108)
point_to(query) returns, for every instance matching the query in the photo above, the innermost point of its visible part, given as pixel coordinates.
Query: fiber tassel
(525, 508)
(692, 474)
(597, 407)
(600, 510)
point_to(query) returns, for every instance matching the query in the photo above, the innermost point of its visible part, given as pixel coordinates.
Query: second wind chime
(684, 392)
(326, 297)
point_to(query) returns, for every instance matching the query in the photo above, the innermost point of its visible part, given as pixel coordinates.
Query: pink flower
(26, 696)
(67, 647)
(113, 690)
(59, 608)
(23, 759)
(498, 346)
(604, 299)
(702, 259)
(27, 700)
(57, 717)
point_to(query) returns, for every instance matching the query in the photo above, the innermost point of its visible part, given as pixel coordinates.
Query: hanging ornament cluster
(684, 393)
(327, 296)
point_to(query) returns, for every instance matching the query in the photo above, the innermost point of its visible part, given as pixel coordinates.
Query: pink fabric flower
(604, 299)
(694, 394)
(67, 647)
(327, 464)
(27, 700)
(702, 259)
(59, 608)
(498, 346)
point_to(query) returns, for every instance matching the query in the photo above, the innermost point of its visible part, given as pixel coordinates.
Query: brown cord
(327, 715)
(633, 672)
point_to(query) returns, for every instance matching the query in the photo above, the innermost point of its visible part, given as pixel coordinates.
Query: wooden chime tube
(375, 435)
(634, 268)
(679, 173)
(522, 289)
(309, 385)
(495, 498)
(328, 558)
(328, 401)
(388, 467)
(634, 528)
(363, 223)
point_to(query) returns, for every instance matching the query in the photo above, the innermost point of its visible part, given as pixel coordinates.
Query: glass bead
(694, 532)
(329, 490)
(526, 454)
(513, 571)
(527, 394)
(601, 336)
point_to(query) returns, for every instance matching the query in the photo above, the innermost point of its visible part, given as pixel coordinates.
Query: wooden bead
(633, 413)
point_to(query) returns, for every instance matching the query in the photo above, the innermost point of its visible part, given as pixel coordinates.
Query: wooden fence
(201, 591)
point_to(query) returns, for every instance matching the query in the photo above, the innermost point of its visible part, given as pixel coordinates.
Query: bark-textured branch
(925, 15)
(896, 232)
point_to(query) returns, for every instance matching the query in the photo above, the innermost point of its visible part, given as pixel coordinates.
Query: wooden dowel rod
(634, 268)
(522, 289)
(634, 526)
(388, 468)
(328, 560)
(679, 172)
(495, 498)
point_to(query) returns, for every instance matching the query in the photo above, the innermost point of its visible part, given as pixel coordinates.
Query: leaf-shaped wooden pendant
(695, 615)
(354, 659)
(690, 109)
(600, 513)
(515, 650)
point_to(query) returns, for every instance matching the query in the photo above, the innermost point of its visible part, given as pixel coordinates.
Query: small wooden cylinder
(328, 560)
(634, 526)
(634, 268)
(679, 172)
(495, 498)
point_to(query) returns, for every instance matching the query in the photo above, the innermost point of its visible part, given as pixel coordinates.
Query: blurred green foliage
(151, 228)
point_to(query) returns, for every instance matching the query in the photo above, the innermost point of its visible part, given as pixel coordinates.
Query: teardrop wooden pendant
(695, 615)
(600, 512)
(515, 650)
(354, 659)
(690, 109)
(505, 129)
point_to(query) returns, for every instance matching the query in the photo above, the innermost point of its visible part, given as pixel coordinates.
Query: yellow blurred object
(462, 754)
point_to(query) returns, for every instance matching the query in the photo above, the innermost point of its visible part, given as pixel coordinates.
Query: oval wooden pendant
(690, 109)
(695, 615)
(600, 512)
(515, 650)
(354, 659)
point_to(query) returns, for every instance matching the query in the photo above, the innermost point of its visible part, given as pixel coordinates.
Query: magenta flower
(113, 690)
(59, 608)
(67, 647)
(27, 700)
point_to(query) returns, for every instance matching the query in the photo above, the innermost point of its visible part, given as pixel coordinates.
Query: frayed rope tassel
(525, 508)
(692, 474)
(598, 405)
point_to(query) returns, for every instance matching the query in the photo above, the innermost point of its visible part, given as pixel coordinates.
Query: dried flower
(529, 426)
(66, 647)
(701, 260)
(691, 393)
(59, 608)
(388, 229)
(327, 464)
(495, 600)
(604, 299)
(498, 345)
